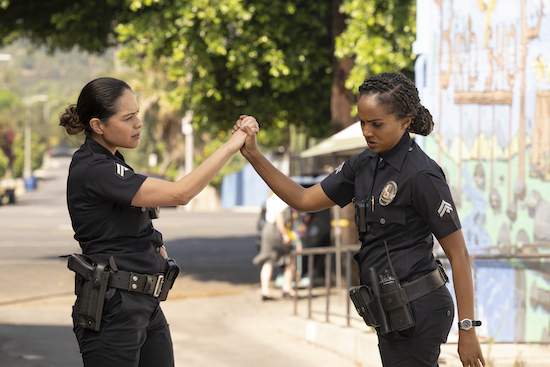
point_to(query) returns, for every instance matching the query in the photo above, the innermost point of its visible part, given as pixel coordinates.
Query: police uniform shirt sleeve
(432, 200)
(339, 186)
(113, 181)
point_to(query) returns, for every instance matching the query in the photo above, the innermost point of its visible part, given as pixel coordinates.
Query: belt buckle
(158, 286)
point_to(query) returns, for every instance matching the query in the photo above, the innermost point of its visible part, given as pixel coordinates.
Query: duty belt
(425, 284)
(135, 282)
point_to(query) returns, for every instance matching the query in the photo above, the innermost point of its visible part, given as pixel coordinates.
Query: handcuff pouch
(170, 276)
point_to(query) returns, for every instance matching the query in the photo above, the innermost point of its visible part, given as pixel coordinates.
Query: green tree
(226, 58)
(379, 37)
(292, 62)
(8, 102)
(221, 59)
(63, 24)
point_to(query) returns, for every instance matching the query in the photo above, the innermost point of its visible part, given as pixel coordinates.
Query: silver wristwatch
(467, 324)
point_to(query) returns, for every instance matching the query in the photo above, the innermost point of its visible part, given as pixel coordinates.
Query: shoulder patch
(446, 211)
(338, 169)
(122, 171)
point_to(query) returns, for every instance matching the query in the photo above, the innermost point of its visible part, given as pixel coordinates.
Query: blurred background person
(274, 247)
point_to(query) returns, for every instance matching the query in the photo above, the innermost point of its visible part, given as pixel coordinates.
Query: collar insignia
(388, 193)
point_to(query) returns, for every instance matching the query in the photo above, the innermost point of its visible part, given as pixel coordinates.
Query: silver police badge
(388, 193)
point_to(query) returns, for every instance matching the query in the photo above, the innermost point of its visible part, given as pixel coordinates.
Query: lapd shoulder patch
(338, 169)
(445, 211)
(123, 171)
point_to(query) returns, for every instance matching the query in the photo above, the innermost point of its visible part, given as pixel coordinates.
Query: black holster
(385, 305)
(396, 304)
(91, 282)
(363, 299)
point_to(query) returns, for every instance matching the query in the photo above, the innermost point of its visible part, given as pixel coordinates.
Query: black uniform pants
(419, 346)
(133, 333)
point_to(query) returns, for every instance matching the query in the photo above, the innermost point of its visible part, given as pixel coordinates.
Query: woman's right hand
(249, 125)
(241, 131)
(236, 141)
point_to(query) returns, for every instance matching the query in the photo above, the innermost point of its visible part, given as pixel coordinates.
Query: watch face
(466, 324)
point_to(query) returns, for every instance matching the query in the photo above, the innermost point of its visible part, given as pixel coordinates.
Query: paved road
(215, 312)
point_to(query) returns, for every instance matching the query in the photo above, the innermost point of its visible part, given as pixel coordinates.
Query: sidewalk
(359, 343)
(236, 329)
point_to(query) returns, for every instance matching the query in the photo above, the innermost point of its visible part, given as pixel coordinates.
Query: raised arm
(310, 199)
(468, 343)
(158, 192)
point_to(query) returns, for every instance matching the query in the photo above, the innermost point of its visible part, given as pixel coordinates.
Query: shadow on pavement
(38, 346)
(227, 259)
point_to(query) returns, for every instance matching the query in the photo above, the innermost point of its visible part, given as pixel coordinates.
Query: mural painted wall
(483, 71)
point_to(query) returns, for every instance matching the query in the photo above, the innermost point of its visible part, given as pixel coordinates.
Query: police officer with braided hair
(402, 200)
(111, 209)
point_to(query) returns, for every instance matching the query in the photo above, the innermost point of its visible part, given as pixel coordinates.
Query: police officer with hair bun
(402, 200)
(111, 209)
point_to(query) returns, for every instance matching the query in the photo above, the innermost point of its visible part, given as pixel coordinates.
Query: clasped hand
(251, 128)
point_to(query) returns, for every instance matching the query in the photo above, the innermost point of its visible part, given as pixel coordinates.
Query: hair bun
(70, 121)
(422, 123)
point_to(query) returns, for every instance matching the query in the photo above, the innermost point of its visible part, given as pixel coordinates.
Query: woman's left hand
(469, 349)
(249, 125)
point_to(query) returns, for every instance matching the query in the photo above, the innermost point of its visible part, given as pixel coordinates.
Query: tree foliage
(379, 35)
(223, 58)
(62, 24)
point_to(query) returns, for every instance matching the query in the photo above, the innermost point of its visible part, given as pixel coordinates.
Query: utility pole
(27, 170)
(187, 130)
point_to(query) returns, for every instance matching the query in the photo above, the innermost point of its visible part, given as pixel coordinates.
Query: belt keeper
(158, 286)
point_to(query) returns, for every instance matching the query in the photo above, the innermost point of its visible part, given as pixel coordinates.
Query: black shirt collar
(95, 147)
(396, 156)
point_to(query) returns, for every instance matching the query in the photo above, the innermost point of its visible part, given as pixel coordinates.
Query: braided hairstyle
(98, 99)
(399, 96)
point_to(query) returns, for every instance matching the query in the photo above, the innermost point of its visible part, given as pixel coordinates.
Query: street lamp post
(187, 130)
(5, 57)
(27, 171)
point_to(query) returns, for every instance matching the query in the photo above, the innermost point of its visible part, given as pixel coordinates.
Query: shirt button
(410, 149)
(382, 221)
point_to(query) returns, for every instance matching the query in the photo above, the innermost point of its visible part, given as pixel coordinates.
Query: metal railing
(328, 251)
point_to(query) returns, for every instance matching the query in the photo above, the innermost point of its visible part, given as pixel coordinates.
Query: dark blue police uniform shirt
(100, 188)
(407, 199)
